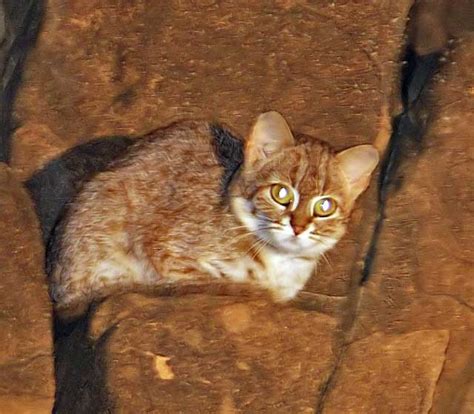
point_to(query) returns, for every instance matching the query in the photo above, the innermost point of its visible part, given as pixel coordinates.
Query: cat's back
(186, 142)
(182, 164)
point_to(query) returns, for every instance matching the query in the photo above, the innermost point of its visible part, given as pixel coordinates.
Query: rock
(42, 146)
(436, 21)
(26, 363)
(215, 354)
(389, 373)
(423, 272)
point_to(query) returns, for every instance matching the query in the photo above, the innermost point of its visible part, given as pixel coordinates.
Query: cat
(169, 211)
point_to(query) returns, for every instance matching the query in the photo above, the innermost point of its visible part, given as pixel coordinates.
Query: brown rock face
(208, 354)
(389, 373)
(26, 367)
(423, 277)
(398, 344)
(107, 67)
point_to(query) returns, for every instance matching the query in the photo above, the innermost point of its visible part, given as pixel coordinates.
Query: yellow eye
(325, 207)
(282, 194)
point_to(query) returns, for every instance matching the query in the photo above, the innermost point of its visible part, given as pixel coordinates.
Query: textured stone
(423, 276)
(108, 67)
(389, 373)
(24, 405)
(26, 365)
(206, 354)
(436, 21)
(152, 64)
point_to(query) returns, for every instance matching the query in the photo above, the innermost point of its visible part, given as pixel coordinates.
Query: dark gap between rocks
(20, 22)
(406, 139)
(405, 142)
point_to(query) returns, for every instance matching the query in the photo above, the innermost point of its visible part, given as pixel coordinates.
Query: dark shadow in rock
(55, 185)
(20, 21)
(80, 368)
(406, 140)
(79, 363)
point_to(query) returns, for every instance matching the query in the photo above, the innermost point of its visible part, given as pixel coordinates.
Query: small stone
(236, 318)
(162, 368)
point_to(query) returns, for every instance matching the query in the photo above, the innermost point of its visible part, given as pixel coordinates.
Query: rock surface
(26, 367)
(423, 276)
(389, 373)
(329, 69)
(201, 354)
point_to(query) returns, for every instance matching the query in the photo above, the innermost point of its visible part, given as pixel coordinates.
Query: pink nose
(298, 229)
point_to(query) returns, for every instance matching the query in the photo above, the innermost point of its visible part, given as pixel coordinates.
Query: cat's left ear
(269, 134)
(357, 164)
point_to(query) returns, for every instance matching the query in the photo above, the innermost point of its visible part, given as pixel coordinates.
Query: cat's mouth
(284, 238)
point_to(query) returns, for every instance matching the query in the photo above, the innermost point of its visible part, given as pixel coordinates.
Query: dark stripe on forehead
(302, 170)
(323, 164)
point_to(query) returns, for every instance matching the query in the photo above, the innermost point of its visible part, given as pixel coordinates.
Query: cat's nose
(298, 229)
(298, 226)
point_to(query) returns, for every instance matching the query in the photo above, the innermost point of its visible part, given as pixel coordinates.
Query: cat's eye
(282, 194)
(325, 207)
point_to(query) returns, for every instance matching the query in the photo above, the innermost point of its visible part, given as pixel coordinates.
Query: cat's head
(298, 196)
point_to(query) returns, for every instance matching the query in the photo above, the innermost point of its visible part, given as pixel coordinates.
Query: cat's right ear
(269, 134)
(357, 164)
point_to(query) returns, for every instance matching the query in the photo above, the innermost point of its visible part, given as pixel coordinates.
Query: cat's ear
(357, 164)
(269, 134)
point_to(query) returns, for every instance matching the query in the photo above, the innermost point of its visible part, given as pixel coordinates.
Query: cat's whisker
(269, 228)
(231, 229)
(259, 248)
(256, 245)
(319, 238)
(326, 259)
(242, 236)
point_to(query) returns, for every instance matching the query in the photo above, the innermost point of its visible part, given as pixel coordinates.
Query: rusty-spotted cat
(158, 215)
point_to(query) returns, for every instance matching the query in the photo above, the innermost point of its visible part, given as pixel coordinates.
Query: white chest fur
(283, 274)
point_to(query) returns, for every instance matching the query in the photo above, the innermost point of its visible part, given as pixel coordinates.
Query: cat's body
(169, 211)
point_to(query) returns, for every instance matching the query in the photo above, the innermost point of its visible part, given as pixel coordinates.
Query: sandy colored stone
(236, 318)
(24, 405)
(244, 58)
(43, 145)
(276, 356)
(467, 406)
(26, 364)
(389, 374)
(436, 21)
